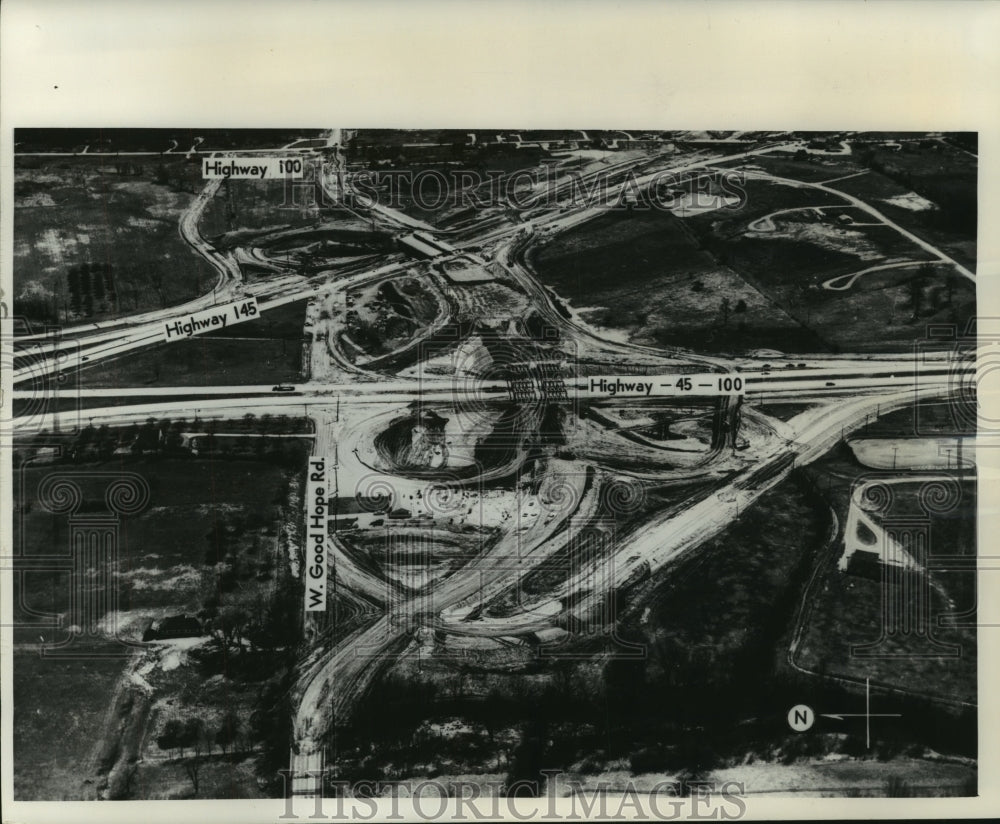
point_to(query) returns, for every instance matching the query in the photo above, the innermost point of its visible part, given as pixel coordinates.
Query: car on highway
(282, 387)
(830, 383)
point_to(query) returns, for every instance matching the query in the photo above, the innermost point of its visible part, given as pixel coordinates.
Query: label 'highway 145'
(209, 320)
(251, 168)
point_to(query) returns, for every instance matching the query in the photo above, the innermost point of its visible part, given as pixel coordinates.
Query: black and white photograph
(622, 469)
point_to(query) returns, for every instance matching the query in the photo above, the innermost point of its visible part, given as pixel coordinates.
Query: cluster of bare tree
(194, 741)
(91, 289)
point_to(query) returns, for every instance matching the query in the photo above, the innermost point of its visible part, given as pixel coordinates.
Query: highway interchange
(348, 403)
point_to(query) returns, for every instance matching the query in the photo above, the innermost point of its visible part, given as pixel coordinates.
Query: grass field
(205, 545)
(74, 211)
(928, 419)
(712, 281)
(847, 612)
(218, 778)
(734, 600)
(791, 273)
(816, 169)
(162, 550)
(937, 172)
(256, 204)
(761, 197)
(647, 274)
(436, 190)
(846, 609)
(933, 225)
(266, 350)
(59, 713)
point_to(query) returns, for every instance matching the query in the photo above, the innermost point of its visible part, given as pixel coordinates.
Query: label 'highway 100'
(209, 320)
(251, 168)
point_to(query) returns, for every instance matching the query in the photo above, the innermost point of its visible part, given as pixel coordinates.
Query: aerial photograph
(567, 463)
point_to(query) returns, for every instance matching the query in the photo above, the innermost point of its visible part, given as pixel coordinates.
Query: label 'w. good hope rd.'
(317, 517)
